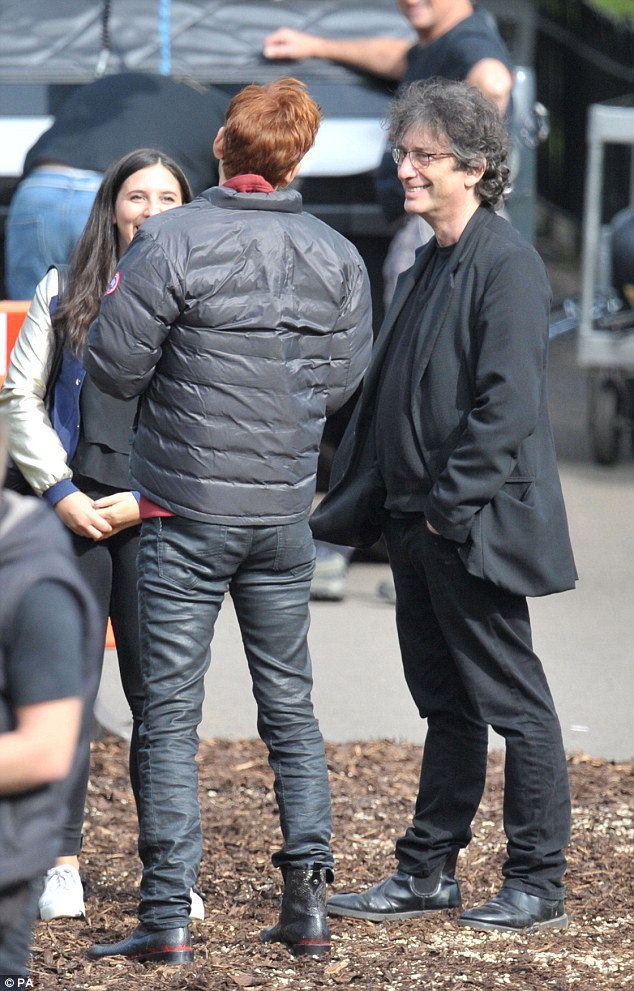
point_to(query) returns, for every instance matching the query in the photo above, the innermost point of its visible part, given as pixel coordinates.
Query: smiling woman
(77, 457)
(149, 191)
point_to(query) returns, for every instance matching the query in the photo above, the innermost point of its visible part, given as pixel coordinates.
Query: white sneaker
(197, 910)
(63, 895)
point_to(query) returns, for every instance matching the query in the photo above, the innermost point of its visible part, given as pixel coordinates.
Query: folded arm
(40, 749)
(494, 79)
(44, 664)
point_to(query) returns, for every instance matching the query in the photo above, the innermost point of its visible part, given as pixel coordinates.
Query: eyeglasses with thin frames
(419, 159)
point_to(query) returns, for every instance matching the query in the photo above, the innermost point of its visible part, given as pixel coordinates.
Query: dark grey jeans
(185, 569)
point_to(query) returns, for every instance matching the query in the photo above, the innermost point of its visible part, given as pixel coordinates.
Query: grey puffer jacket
(242, 321)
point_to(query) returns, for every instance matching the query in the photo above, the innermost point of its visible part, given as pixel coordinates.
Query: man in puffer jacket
(241, 322)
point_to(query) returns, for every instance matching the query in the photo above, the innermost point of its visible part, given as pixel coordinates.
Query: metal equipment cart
(605, 344)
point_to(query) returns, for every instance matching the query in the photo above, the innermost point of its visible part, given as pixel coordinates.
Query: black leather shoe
(402, 896)
(165, 946)
(514, 911)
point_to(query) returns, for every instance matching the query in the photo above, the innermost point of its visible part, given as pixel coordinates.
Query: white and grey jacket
(33, 443)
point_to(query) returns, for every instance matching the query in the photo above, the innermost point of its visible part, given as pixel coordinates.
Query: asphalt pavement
(584, 637)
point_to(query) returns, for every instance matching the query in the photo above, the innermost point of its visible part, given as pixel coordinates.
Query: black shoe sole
(560, 922)
(309, 949)
(175, 957)
(353, 913)
(170, 957)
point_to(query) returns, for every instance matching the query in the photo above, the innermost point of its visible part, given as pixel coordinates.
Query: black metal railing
(582, 57)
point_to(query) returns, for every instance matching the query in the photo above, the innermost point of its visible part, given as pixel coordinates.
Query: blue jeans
(185, 569)
(47, 215)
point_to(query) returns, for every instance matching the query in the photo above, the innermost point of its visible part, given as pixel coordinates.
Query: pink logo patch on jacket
(114, 283)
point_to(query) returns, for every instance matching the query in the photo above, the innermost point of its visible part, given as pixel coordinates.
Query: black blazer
(479, 405)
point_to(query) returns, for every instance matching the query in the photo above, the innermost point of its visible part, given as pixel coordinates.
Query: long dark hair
(97, 252)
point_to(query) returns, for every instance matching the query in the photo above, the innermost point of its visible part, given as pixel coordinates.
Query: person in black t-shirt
(475, 53)
(456, 40)
(48, 644)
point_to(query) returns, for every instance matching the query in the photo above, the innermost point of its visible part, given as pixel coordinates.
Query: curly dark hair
(461, 116)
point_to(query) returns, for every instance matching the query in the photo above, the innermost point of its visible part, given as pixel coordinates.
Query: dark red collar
(249, 183)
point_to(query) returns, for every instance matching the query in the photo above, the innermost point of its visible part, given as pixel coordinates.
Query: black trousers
(469, 664)
(109, 569)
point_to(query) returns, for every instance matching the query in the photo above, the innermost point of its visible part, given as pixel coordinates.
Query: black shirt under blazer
(479, 403)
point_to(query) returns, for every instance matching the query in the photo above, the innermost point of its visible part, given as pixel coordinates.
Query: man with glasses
(455, 40)
(450, 453)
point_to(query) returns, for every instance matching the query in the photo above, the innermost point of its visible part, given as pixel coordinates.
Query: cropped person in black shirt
(48, 645)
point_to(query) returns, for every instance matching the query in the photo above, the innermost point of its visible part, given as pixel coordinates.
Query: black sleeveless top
(103, 451)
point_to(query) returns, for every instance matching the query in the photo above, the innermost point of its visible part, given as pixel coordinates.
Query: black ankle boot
(302, 926)
(403, 896)
(172, 946)
(512, 910)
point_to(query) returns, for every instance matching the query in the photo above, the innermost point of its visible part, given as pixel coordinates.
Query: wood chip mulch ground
(373, 784)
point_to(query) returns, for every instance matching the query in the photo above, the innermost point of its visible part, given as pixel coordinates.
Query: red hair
(269, 129)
